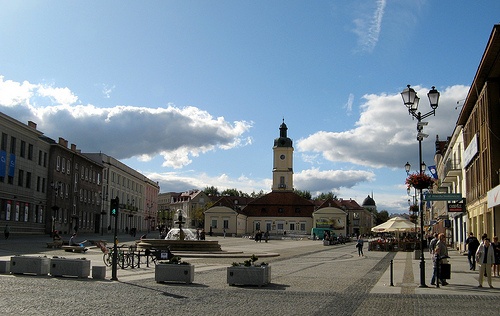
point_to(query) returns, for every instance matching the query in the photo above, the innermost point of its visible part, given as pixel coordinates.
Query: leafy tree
(257, 195)
(304, 194)
(199, 214)
(234, 192)
(211, 191)
(326, 196)
(381, 217)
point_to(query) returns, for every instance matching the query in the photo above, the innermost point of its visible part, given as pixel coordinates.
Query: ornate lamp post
(411, 100)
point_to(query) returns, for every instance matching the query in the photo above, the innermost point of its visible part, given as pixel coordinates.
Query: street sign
(443, 197)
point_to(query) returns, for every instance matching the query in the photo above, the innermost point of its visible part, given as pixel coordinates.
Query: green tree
(326, 196)
(304, 194)
(381, 217)
(211, 191)
(257, 195)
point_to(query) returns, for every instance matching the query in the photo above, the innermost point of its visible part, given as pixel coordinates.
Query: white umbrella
(394, 224)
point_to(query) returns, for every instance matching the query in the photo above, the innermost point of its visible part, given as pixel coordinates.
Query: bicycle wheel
(133, 260)
(108, 259)
(123, 261)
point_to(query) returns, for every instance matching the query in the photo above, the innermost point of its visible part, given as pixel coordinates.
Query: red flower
(419, 181)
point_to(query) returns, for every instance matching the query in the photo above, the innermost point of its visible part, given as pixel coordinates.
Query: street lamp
(411, 100)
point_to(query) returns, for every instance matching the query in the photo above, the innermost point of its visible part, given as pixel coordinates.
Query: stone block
(29, 265)
(174, 273)
(79, 268)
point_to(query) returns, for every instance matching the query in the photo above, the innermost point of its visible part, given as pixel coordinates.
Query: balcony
(452, 170)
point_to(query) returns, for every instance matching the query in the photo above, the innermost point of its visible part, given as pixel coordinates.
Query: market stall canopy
(394, 224)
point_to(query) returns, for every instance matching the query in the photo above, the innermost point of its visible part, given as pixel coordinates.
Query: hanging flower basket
(419, 181)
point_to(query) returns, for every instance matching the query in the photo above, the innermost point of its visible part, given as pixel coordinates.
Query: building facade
(137, 195)
(24, 176)
(479, 117)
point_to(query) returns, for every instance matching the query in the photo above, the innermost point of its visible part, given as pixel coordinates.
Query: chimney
(32, 124)
(63, 142)
(73, 147)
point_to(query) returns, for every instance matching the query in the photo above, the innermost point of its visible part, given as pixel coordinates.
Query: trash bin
(417, 254)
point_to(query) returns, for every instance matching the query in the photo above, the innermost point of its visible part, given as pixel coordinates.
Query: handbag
(445, 271)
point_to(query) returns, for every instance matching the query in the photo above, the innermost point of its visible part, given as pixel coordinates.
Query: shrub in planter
(174, 270)
(249, 273)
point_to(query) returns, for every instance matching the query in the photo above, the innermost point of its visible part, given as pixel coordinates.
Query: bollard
(99, 272)
(392, 274)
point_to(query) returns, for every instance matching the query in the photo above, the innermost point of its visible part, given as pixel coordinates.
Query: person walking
(6, 231)
(485, 256)
(472, 244)
(432, 244)
(359, 245)
(440, 257)
(496, 265)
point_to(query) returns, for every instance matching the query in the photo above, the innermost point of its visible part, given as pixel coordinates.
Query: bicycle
(123, 259)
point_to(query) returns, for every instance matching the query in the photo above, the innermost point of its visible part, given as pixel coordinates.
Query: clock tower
(283, 161)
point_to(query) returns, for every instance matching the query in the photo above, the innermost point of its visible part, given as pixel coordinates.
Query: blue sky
(192, 93)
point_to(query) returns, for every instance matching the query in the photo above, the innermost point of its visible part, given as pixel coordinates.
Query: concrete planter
(29, 265)
(254, 275)
(4, 267)
(174, 273)
(99, 272)
(79, 268)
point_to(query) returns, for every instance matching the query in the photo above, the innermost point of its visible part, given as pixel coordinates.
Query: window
(20, 177)
(281, 210)
(38, 183)
(40, 157)
(45, 159)
(58, 163)
(3, 144)
(23, 149)
(68, 167)
(13, 145)
(214, 223)
(302, 226)
(226, 223)
(292, 226)
(63, 167)
(280, 225)
(28, 180)
(30, 151)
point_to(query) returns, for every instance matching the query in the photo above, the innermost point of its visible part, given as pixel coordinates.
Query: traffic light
(114, 207)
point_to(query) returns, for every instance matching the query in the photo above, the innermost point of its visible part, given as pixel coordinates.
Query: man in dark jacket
(472, 244)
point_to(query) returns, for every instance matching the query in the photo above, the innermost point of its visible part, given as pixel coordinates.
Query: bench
(74, 248)
(55, 244)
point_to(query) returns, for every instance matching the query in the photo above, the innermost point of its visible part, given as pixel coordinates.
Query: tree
(199, 214)
(257, 195)
(211, 191)
(381, 217)
(304, 194)
(326, 196)
(234, 192)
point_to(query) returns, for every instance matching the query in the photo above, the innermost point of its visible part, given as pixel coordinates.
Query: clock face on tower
(282, 157)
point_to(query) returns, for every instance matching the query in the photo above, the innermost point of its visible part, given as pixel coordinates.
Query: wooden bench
(55, 244)
(74, 248)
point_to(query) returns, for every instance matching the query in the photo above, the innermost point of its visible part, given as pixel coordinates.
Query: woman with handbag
(485, 256)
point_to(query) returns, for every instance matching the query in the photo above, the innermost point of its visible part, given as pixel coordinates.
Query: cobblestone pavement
(307, 279)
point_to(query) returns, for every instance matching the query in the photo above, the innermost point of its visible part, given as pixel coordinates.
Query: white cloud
(107, 90)
(315, 180)
(385, 135)
(62, 96)
(180, 181)
(178, 134)
(348, 105)
(368, 29)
